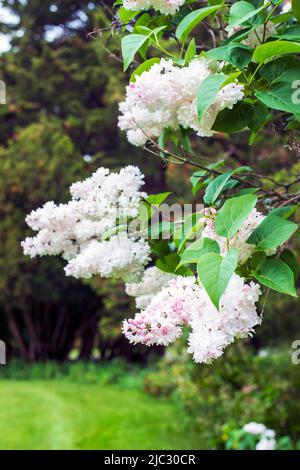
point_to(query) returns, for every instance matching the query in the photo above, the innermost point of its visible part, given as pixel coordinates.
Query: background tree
(59, 124)
(39, 324)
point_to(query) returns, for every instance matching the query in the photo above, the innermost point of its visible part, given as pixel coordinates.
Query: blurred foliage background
(60, 124)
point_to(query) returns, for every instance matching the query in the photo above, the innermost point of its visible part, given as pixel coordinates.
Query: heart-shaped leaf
(215, 272)
(272, 232)
(233, 213)
(190, 21)
(276, 275)
(241, 12)
(273, 49)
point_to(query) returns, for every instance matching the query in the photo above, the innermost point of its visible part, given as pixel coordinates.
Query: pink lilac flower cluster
(185, 302)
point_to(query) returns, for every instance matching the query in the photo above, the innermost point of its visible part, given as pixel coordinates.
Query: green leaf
(241, 12)
(215, 272)
(190, 52)
(260, 116)
(169, 263)
(218, 53)
(235, 119)
(239, 35)
(197, 249)
(187, 229)
(270, 50)
(130, 45)
(292, 33)
(144, 67)
(276, 275)
(281, 96)
(214, 189)
(272, 232)
(233, 213)
(147, 208)
(257, 260)
(157, 199)
(296, 9)
(239, 55)
(244, 191)
(234, 53)
(282, 18)
(198, 186)
(142, 20)
(281, 69)
(231, 184)
(286, 211)
(126, 15)
(160, 248)
(208, 90)
(190, 21)
(288, 257)
(219, 184)
(197, 177)
(238, 11)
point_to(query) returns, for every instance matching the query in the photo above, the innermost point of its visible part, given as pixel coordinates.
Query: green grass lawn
(55, 414)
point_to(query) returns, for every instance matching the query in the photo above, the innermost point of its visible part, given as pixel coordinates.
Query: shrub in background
(239, 388)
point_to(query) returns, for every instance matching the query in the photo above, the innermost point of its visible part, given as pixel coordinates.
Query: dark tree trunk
(15, 332)
(89, 333)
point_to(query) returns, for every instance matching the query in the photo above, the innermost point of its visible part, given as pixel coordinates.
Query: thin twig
(289, 201)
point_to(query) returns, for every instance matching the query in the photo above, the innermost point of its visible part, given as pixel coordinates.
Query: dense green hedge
(238, 388)
(117, 372)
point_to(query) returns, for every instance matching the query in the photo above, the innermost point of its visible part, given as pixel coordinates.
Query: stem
(254, 73)
(289, 201)
(161, 49)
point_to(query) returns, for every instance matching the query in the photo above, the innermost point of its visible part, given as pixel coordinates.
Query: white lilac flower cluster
(256, 36)
(266, 436)
(75, 230)
(185, 302)
(166, 97)
(120, 257)
(150, 285)
(167, 7)
(238, 241)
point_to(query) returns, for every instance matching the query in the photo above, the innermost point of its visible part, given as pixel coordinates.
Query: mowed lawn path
(63, 415)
